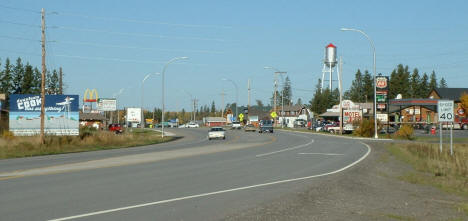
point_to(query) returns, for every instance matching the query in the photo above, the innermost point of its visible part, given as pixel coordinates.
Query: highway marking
(326, 154)
(287, 149)
(213, 193)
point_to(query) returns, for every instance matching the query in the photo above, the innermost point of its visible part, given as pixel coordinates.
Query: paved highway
(188, 179)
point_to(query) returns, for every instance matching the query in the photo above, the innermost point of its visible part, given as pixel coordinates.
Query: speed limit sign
(445, 111)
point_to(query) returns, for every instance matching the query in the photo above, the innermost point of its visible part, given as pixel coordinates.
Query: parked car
(250, 127)
(300, 123)
(236, 125)
(216, 132)
(116, 128)
(193, 125)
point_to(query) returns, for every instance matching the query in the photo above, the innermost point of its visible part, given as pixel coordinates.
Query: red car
(116, 128)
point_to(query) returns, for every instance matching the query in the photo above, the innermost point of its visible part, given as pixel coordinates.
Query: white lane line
(287, 149)
(214, 193)
(327, 154)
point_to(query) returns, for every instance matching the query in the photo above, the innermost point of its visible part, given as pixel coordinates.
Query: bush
(365, 128)
(405, 132)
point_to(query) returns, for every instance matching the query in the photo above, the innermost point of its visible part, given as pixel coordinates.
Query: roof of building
(92, 116)
(451, 93)
(215, 119)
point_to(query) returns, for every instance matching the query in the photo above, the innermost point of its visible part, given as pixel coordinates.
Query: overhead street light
(282, 91)
(162, 88)
(143, 122)
(375, 73)
(237, 92)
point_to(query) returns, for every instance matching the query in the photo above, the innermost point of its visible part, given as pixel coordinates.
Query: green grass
(398, 217)
(446, 172)
(88, 140)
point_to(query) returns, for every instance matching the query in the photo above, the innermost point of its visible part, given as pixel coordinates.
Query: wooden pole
(43, 76)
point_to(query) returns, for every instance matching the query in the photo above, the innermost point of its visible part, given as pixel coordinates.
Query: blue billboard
(61, 114)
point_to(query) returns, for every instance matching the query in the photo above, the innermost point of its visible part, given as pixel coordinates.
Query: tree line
(20, 78)
(401, 81)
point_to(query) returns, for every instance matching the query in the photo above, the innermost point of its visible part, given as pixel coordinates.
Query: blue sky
(109, 45)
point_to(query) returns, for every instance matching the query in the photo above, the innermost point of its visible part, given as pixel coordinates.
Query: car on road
(236, 125)
(216, 133)
(250, 127)
(193, 125)
(116, 128)
(266, 126)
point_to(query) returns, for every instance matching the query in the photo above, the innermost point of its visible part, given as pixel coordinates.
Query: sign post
(445, 112)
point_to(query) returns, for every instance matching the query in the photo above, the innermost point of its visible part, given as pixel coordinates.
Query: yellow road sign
(273, 114)
(241, 116)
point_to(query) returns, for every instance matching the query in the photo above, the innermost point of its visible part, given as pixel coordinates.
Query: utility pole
(60, 81)
(274, 98)
(194, 108)
(222, 102)
(43, 75)
(340, 74)
(248, 104)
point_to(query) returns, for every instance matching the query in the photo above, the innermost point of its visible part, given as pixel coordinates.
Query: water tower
(328, 64)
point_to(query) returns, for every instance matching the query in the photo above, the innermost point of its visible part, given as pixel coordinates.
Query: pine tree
(368, 87)
(433, 82)
(37, 81)
(6, 86)
(400, 82)
(18, 72)
(355, 92)
(443, 83)
(27, 84)
(286, 92)
(213, 107)
(414, 84)
(424, 86)
(53, 82)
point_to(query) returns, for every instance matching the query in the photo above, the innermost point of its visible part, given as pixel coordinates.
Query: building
(214, 121)
(92, 120)
(290, 114)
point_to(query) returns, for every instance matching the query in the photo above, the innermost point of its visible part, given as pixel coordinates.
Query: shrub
(365, 128)
(405, 132)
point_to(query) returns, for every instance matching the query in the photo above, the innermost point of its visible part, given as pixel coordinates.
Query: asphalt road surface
(187, 179)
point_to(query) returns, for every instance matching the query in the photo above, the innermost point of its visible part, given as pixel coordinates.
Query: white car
(236, 125)
(192, 125)
(216, 132)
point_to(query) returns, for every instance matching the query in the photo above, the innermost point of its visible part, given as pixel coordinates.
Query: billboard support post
(440, 141)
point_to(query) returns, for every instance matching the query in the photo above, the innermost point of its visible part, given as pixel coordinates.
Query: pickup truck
(347, 128)
(266, 126)
(236, 125)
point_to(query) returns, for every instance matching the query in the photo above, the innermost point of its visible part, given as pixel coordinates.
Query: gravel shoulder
(371, 190)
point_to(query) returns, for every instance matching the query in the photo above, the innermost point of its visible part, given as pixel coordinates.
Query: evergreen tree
(53, 82)
(278, 99)
(368, 86)
(37, 81)
(18, 72)
(443, 83)
(433, 82)
(355, 92)
(27, 85)
(414, 84)
(6, 86)
(424, 86)
(400, 82)
(213, 107)
(287, 92)
(299, 101)
(260, 104)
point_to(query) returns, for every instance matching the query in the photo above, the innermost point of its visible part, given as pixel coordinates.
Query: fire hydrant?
(433, 130)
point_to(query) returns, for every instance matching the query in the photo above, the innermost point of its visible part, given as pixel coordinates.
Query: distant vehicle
(335, 128)
(193, 125)
(300, 123)
(266, 126)
(250, 127)
(183, 126)
(216, 132)
(236, 125)
(116, 128)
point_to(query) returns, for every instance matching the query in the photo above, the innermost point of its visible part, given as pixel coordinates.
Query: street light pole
(375, 73)
(142, 124)
(237, 92)
(117, 103)
(162, 88)
(282, 92)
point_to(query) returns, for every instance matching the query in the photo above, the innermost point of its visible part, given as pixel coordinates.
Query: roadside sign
(445, 110)
(273, 114)
(382, 117)
(241, 116)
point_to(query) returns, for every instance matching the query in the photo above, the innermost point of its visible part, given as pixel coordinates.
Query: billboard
(134, 115)
(107, 104)
(61, 114)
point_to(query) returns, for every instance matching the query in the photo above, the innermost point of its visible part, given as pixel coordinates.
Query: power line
(20, 24)
(20, 9)
(139, 48)
(142, 21)
(18, 38)
(137, 34)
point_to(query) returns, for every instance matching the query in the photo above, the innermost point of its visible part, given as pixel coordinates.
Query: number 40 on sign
(445, 111)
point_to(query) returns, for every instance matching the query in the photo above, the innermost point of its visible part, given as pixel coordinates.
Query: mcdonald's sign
(90, 95)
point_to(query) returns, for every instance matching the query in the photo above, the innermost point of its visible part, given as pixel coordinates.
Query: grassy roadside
(441, 170)
(89, 140)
